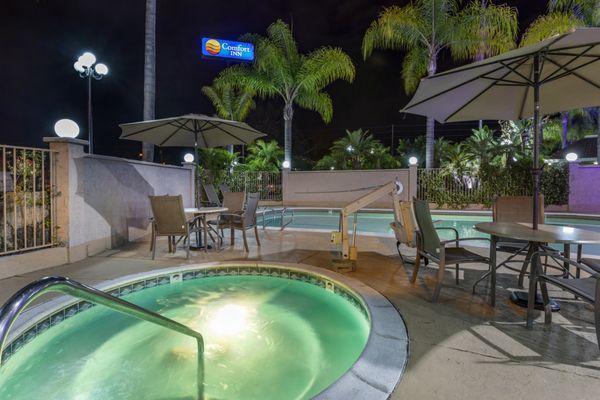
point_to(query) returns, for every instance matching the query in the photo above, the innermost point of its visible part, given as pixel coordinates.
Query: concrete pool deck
(460, 348)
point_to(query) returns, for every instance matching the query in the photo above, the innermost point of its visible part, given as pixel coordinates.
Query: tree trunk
(430, 132)
(565, 129)
(149, 73)
(288, 115)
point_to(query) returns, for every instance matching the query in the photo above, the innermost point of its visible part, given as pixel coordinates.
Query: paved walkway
(460, 348)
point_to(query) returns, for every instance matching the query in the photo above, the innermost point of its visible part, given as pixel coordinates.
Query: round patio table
(202, 213)
(565, 235)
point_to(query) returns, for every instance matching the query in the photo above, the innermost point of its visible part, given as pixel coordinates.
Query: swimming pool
(270, 333)
(378, 223)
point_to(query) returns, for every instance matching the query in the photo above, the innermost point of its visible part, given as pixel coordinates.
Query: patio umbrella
(190, 130)
(557, 74)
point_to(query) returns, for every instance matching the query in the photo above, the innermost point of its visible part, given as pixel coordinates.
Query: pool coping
(374, 375)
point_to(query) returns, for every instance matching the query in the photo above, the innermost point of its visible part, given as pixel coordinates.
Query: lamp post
(88, 69)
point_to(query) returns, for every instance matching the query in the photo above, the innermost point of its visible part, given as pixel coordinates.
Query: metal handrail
(17, 303)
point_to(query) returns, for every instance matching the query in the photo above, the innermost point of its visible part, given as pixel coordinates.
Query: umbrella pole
(536, 171)
(196, 175)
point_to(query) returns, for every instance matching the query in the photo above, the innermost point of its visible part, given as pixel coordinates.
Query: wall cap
(56, 139)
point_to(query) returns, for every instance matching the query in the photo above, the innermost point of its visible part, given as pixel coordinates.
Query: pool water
(265, 338)
(379, 223)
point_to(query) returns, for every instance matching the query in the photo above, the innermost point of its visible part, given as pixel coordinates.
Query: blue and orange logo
(212, 46)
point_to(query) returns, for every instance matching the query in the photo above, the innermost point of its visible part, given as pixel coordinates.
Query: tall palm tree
(562, 17)
(149, 73)
(424, 28)
(298, 79)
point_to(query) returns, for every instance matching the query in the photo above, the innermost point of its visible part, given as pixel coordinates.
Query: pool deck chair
(514, 209)
(586, 289)
(404, 225)
(211, 196)
(169, 220)
(243, 221)
(430, 246)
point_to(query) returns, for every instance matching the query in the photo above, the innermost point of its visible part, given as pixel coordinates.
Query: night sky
(40, 41)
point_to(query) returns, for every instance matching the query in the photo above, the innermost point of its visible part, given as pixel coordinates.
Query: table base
(521, 298)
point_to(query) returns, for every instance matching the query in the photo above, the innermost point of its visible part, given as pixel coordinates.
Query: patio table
(536, 238)
(202, 213)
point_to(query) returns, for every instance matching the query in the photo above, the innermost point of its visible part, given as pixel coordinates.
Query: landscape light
(285, 164)
(87, 59)
(66, 128)
(332, 168)
(570, 157)
(349, 148)
(189, 157)
(101, 69)
(413, 160)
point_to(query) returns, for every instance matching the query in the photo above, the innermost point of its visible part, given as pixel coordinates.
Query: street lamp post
(88, 69)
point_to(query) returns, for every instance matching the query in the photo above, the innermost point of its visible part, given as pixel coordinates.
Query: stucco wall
(338, 188)
(584, 188)
(103, 201)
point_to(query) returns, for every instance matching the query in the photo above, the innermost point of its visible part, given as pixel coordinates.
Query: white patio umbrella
(557, 74)
(190, 130)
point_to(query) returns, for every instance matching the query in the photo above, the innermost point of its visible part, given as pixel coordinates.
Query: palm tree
(481, 146)
(265, 156)
(354, 147)
(230, 102)
(149, 73)
(424, 28)
(298, 79)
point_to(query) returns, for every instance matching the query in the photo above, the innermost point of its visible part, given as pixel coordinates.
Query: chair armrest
(577, 265)
(465, 240)
(448, 228)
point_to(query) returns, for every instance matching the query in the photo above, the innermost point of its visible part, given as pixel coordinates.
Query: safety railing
(267, 184)
(20, 300)
(27, 199)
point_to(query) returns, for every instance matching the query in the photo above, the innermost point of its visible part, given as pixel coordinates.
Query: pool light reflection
(229, 320)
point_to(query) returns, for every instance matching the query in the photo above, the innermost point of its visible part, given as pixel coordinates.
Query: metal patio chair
(169, 220)
(587, 289)
(514, 209)
(212, 196)
(243, 221)
(430, 246)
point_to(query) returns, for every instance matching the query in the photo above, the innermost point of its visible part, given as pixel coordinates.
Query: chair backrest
(211, 194)
(404, 222)
(224, 188)
(516, 209)
(234, 201)
(251, 206)
(169, 215)
(430, 241)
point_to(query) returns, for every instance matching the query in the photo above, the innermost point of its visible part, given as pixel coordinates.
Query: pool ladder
(274, 213)
(17, 303)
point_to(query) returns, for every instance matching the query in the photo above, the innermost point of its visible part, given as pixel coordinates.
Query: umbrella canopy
(190, 130)
(557, 74)
(502, 87)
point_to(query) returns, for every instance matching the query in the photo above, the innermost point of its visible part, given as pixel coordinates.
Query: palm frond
(281, 35)
(546, 26)
(414, 67)
(319, 102)
(215, 97)
(324, 66)
(396, 28)
(240, 76)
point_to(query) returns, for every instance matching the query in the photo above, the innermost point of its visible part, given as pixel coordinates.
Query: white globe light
(78, 67)
(571, 157)
(189, 157)
(285, 164)
(350, 148)
(101, 69)
(66, 128)
(413, 160)
(332, 168)
(87, 59)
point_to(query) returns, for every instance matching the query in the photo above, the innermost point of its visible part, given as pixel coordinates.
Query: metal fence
(27, 199)
(268, 184)
(438, 186)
